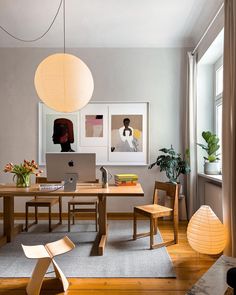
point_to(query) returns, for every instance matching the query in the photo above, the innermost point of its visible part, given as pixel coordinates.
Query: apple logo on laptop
(71, 163)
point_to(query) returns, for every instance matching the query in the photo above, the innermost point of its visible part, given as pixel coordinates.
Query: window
(219, 81)
(218, 101)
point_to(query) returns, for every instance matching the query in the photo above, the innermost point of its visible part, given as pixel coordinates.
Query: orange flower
(27, 167)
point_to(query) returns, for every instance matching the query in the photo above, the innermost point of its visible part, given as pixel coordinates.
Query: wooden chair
(77, 205)
(45, 255)
(47, 202)
(154, 211)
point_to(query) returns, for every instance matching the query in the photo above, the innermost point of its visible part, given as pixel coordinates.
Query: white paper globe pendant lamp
(63, 81)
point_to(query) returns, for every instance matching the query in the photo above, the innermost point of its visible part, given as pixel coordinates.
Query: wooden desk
(9, 191)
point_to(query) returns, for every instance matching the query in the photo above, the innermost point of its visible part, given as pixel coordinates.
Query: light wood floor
(189, 267)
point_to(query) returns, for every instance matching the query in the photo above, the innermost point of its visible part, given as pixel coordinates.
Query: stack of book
(126, 179)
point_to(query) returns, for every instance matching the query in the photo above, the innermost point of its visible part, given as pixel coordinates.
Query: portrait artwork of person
(126, 138)
(63, 134)
(126, 133)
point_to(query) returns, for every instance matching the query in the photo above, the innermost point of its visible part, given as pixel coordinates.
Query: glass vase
(22, 180)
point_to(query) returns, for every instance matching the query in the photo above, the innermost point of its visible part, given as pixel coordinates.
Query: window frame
(218, 100)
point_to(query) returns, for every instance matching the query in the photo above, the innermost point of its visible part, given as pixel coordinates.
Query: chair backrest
(93, 181)
(43, 179)
(171, 189)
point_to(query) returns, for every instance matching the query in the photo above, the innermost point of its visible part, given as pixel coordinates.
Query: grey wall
(154, 75)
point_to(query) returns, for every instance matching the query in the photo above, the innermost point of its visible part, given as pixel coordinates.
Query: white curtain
(190, 133)
(229, 127)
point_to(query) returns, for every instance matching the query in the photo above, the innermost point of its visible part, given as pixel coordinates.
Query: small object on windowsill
(212, 164)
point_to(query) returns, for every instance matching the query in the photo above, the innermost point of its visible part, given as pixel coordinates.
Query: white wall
(154, 75)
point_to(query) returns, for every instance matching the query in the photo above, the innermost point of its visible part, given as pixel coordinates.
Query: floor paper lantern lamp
(205, 233)
(63, 81)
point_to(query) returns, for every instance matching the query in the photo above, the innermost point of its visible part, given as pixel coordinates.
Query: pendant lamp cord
(41, 36)
(64, 24)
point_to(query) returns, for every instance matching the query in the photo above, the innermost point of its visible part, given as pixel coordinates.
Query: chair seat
(154, 209)
(42, 201)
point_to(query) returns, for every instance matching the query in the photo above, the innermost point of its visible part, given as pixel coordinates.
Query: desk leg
(102, 221)
(8, 219)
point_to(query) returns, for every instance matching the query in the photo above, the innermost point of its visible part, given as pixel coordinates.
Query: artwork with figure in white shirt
(126, 133)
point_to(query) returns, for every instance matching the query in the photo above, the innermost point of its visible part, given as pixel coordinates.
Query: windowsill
(216, 178)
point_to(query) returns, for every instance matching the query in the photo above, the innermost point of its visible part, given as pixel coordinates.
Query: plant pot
(212, 168)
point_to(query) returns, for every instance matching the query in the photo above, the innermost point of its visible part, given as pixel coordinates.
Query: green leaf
(212, 158)
(205, 147)
(172, 163)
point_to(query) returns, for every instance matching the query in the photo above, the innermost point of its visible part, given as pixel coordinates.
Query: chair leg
(155, 226)
(49, 219)
(96, 216)
(26, 217)
(151, 233)
(73, 214)
(68, 217)
(60, 210)
(175, 227)
(36, 214)
(135, 226)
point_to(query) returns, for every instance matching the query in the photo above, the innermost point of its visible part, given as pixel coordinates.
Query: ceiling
(107, 23)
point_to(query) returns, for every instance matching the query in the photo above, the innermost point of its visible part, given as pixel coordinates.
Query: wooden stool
(45, 255)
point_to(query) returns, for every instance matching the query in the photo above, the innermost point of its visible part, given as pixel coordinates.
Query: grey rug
(123, 257)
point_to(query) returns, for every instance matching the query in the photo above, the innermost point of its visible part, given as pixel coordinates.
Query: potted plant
(212, 165)
(172, 163)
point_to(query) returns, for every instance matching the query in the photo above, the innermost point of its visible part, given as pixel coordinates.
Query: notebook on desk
(51, 186)
(60, 186)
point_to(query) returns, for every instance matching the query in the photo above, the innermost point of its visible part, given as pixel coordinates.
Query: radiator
(213, 198)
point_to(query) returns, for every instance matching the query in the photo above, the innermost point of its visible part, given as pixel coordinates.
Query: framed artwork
(128, 133)
(116, 132)
(94, 127)
(58, 132)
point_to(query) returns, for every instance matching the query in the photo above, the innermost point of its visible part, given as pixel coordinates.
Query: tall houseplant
(211, 147)
(172, 163)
